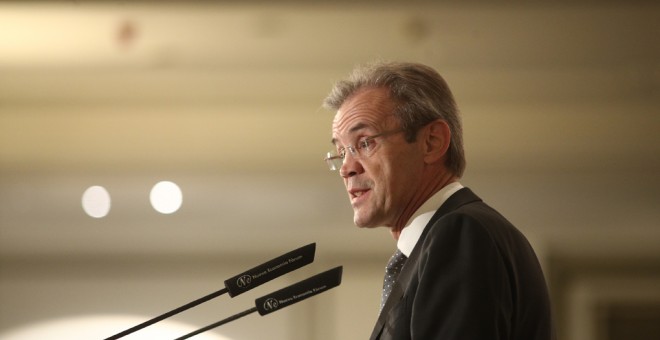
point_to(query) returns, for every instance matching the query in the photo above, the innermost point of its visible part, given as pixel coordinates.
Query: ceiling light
(96, 201)
(166, 197)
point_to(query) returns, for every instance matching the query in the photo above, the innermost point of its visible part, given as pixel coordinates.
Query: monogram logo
(244, 281)
(271, 304)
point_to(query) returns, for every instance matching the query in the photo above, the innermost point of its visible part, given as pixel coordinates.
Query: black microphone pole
(284, 297)
(241, 283)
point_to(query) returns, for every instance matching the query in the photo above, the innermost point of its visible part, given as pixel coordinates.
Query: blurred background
(562, 130)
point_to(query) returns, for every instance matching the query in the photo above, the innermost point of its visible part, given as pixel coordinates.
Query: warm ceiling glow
(96, 201)
(166, 197)
(103, 326)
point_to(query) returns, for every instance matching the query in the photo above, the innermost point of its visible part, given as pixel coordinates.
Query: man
(465, 272)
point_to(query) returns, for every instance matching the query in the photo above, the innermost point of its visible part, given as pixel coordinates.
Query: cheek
(387, 179)
(403, 176)
(393, 174)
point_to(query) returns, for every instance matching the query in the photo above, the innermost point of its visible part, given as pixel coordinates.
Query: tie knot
(396, 262)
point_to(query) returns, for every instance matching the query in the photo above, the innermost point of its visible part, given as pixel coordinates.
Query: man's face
(381, 187)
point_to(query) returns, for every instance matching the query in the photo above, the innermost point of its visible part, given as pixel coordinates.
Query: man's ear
(436, 141)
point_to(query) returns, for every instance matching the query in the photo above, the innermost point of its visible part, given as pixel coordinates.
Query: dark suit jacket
(471, 275)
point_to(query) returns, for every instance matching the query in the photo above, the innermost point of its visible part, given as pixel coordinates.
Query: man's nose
(351, 166)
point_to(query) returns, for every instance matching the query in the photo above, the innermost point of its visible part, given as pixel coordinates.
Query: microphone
(242, 282)
(283, 298)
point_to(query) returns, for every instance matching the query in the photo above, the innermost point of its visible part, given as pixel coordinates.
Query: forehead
(369, 108)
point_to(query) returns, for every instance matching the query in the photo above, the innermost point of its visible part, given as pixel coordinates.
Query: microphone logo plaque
(269, 270)
(244, 281)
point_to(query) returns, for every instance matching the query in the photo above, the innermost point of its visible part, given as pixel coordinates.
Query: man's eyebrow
(358, 126)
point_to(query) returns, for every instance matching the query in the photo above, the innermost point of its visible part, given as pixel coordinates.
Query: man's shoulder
(471, 217)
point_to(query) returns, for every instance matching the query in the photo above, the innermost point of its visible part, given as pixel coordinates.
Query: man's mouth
(357, 193)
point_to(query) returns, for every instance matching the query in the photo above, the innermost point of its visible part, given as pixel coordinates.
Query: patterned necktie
(391, 272)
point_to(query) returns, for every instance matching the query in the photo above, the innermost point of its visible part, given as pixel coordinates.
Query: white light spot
(96, 201)
(166, 197)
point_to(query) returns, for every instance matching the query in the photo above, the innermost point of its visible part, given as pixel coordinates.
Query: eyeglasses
(363, 148)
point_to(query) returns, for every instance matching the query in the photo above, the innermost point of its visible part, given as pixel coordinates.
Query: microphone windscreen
(299, 291)
(270, 270)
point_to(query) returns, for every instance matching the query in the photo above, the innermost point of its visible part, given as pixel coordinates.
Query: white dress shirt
(411, 232)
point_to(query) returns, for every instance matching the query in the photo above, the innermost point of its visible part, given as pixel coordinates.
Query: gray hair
(421, 95)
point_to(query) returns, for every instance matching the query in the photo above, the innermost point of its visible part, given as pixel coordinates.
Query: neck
(427, 190)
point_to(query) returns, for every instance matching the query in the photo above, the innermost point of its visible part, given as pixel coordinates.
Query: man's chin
(365, 224)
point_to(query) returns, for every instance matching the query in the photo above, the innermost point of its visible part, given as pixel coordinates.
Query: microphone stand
(242, 282)
(169, 314)
(219, 323)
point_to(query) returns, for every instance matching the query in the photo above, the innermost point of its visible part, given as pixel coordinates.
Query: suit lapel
(456, 200)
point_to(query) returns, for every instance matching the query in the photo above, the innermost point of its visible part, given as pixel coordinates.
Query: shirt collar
(410, 233)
